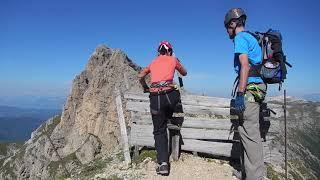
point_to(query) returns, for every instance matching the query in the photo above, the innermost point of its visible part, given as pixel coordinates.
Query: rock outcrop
(88, 126)
(303, 127)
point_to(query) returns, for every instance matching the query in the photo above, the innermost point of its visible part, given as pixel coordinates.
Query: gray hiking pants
(252, 148)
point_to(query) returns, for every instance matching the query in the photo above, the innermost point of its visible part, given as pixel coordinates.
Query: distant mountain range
(16, 124)
(37, 102)
(312, 97)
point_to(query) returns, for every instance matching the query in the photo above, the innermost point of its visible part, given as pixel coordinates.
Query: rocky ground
(187, 167)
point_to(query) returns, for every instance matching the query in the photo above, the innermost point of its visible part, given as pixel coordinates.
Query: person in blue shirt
(250, 93)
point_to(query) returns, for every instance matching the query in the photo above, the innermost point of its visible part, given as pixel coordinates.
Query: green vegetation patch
(8, 169)
(54, 165)
(53, 125)
(308, 137)
(94, 167)
(1, 162)
(303, 170)
(3, 148)
(120, 156)
(295, 175)
(49, 129)
(145, 154)
(274, 175)
(114, 177)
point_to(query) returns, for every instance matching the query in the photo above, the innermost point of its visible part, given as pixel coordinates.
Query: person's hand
(146, 90)
(239, 102)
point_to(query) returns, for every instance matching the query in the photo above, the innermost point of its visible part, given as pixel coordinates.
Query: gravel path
(191, 167)
(188, 167)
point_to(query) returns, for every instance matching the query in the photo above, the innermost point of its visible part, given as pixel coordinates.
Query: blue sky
(44, 44)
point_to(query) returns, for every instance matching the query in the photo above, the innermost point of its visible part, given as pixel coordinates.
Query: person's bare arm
(142, 80)
(181, 69)
(244, 72)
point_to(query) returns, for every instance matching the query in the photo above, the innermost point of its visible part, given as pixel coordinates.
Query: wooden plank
(187, 133)
(192, 133)
(199, 122)
(191, 122)
(188, 109)
(215, 148)
(175, 147)
(186, 99)
(148, 140)
(125, 78)
(136, 96)
(205, 101)
(136, 153)
(123, 128)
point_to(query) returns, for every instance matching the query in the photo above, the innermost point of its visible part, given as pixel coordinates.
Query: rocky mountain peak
(88, 126)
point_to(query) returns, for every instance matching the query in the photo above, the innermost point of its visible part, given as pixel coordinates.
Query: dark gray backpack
(273, 68)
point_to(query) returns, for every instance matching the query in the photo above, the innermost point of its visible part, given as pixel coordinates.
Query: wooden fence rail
(208, 126)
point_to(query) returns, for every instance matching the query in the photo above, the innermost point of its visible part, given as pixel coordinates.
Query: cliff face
(90, 109)
(303, 137)
(88, 125)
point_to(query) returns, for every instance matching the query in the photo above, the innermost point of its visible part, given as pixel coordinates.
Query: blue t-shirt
(245, 43)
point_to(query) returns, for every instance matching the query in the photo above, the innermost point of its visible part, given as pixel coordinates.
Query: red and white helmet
(165, 45)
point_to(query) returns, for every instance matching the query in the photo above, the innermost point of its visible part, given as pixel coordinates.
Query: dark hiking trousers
(162, 106)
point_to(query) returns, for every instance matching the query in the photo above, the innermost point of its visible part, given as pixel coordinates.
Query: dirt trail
(188, 167)
(191, 167)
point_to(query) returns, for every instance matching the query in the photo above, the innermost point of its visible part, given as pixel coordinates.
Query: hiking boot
(163, 169)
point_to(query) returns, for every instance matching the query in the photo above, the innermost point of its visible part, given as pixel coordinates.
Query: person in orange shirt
(164, 99)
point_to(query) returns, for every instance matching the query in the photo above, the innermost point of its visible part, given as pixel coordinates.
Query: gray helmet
(234, 13)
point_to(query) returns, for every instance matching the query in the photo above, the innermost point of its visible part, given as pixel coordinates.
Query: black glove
(146, 89)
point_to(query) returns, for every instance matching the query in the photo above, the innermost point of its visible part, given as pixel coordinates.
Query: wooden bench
(208, 126)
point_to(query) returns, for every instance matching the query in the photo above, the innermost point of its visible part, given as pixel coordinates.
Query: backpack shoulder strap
(260, 38)
(255, 35)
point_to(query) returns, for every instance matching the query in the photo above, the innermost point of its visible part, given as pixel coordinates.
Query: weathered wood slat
(215, 148)
(189, 109)
(206, 118)
(141, 141)
(205, 101)
(123, 128)
(187, 133)
(187, 99)
(197, 122)
(136, 96)
(145, 132)
(175, 147)
(192, 122)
